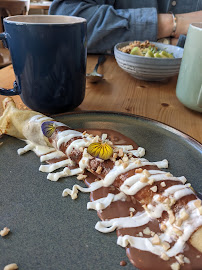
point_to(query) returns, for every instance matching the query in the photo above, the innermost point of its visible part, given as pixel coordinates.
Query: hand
(184, 20)
(165, 23)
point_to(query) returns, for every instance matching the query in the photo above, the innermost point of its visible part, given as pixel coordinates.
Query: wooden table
(122, 93)
(40, 5)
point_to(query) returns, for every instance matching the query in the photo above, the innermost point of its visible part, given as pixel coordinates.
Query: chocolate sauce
(141, 259)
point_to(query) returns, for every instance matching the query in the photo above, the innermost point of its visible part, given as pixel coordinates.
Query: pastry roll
(157, 216)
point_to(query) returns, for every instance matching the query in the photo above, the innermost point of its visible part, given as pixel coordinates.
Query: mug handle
(199, 100)
(15, 90)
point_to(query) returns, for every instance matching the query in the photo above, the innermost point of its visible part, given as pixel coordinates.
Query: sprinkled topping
(5, 231)
(147, 231)
(163, 184)
(175, 266)
(12, 266)
(81, 177)
(144, 179)
(139, 170)
(154, 188)
(165, 245)
(164, 257)
(197, 203)
(183, 215)
(156, 240)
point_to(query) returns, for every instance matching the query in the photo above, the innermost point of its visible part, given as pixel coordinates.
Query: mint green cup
(189, 84)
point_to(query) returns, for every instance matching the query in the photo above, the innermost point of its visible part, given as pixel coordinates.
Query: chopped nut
(125, 158)
(144, 179)
(180, 258)
(104, 136)
(146, 173)
(168, 174)
(99, 170)
(81, 149)
(167, 201)
(120, 154)
(5, 231)
(172, 201)
(140, 234)
(165, 245)
(183, 215)
(131, 209)
(11, 266)
(164, 257)
(177, 231)
(152, 233)
(171, 217)
(131, 214)
(163, 184)
(197, 203)
(163, 227)
(151, 181)
(178, 222)
(84, 133)
(200, 210)
(154, 188)
(198, 256)
(156, 240)
(147, 231)
(175, 266)
(81, 176)
(115, 155)
(139, 170)
(125, 165)
(138, 162)
(186, 260)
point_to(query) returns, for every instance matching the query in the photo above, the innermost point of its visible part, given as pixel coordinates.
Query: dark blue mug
(49, 54)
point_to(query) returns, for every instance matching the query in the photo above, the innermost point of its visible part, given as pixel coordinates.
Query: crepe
(158, 197)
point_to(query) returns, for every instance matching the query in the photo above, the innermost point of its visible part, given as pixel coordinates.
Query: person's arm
(108, 26)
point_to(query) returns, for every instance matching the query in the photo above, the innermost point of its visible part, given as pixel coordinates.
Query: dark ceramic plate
(49, 232)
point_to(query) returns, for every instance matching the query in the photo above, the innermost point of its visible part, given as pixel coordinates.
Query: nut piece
(200, 210)
(164, 257)
(183, 215)
(151, 181)
(5, 231)
(144, 179)
(147, 231)
(165, 246)
(11, 266)
(163, 227)
(197, 203)
(154, 188)
(146, 173)
(139, 170)
(156, 240)
(99, 170)
(178, 222)
(186, 260)
(81, 176)
(175, 266)
(177, 231)
(180, 258)
(171, 217)
(163, 184)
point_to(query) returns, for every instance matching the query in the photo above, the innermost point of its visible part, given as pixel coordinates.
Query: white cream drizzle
(106, 226)
(103, 203)
(130, 187)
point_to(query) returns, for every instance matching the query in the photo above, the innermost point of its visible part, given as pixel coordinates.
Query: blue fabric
(113, 21)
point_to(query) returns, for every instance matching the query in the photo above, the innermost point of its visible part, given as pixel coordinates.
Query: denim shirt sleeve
(108, 26)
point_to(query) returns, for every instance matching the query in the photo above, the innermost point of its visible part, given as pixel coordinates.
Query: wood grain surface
(122, 93)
